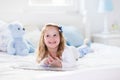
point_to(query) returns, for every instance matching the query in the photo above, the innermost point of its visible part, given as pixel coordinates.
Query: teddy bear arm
(30, 47)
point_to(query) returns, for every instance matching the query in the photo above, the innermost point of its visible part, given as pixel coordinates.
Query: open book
(32, 66)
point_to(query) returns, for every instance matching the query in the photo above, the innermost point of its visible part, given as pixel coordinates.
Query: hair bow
(60, 29)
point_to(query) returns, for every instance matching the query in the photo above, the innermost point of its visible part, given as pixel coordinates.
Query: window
(52, 5)
(50, 2)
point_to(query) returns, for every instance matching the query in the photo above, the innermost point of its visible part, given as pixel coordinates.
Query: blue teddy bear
(18, 45)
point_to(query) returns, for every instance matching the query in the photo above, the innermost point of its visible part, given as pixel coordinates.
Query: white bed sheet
(103, 63)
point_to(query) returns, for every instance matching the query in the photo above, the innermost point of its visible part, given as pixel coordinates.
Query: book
(41, 68)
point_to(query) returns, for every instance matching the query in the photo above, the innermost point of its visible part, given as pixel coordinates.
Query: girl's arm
(68, 58)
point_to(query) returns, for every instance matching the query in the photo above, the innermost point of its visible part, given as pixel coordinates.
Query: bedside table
(109, 39)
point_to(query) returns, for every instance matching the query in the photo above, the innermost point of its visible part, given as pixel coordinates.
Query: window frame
(72, 7)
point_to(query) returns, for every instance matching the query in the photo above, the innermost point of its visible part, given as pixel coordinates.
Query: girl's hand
(48, 60)
(56, 62)
(53, 62)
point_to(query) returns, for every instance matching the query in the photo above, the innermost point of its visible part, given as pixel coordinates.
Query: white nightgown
(69, 57)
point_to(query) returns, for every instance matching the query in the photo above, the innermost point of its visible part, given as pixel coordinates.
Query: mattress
(102, 63)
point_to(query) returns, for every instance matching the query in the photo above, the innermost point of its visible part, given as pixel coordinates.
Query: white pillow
(4, 36)
(73, 36)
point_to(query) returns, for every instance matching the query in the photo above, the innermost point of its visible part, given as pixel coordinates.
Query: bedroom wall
(12, 10)
(96, 19)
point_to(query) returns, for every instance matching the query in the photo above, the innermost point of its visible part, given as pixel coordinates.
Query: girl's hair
(42, 50)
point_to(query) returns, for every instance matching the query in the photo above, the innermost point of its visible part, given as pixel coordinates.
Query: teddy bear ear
(10, 26)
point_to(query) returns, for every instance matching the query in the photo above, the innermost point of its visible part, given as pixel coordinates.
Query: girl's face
(51, 37)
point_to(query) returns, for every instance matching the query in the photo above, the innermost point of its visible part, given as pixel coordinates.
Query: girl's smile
(51, 37)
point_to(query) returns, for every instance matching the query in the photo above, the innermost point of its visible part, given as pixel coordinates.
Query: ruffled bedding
(25, 68)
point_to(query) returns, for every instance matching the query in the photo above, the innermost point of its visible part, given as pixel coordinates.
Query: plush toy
(85, 48)
(18, 45)
(4, 36)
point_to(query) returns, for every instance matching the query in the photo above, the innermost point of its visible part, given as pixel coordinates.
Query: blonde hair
(42, 51)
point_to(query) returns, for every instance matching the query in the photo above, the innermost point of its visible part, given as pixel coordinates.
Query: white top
(69, 57)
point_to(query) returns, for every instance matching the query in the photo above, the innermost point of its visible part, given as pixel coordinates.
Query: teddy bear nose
(24, 29)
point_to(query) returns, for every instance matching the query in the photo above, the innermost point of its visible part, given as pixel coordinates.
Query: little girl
(52, 50)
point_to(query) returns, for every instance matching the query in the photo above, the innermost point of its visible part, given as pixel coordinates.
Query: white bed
(102, 64)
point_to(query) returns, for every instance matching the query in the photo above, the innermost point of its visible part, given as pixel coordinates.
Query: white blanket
(15, 67)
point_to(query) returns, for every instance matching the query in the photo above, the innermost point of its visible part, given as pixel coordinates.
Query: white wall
(96, 19)
(12, 10)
